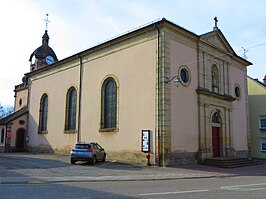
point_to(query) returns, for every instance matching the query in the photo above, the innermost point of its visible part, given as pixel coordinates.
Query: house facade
(188, 91)
(257, 97)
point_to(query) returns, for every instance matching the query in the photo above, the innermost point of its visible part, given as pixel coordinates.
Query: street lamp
(176, 80)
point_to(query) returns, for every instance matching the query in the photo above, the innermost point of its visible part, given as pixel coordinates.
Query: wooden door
(20, 138)
(216, 141)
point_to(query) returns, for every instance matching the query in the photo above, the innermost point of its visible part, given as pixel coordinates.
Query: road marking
(245, 187)
(175, 192)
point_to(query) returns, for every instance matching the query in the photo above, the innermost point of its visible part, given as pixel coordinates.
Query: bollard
(148, 156)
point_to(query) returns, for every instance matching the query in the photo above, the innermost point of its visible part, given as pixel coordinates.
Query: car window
(99, 147)
(83, 146)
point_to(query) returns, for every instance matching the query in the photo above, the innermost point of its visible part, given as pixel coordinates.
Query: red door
(216, 141)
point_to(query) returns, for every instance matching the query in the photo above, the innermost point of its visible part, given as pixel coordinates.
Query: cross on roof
(216, 22)
(47, 21)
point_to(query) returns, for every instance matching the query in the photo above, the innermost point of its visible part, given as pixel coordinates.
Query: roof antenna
(47, 21)
(244, 54)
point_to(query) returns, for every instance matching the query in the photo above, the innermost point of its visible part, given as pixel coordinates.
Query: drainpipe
(80, 92)
(158, 105)
(28, 109)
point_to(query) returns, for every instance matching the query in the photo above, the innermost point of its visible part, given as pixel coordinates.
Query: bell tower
(43, 55)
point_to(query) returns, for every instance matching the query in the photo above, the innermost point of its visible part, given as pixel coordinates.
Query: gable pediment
(217, 40)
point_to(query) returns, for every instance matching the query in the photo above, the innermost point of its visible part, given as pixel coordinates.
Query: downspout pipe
(80, 93)
(158, 98)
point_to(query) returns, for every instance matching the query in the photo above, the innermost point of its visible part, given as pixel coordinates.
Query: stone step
(230, 162)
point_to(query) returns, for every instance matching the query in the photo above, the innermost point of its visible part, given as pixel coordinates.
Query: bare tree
(5, 111)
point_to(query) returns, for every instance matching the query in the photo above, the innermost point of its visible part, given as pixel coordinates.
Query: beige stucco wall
(239, 112)
(23, 96)
(55, 84)
(134, 70)
(257, 108)
(184, 107)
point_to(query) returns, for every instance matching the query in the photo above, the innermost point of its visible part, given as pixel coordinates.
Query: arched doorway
(20, 139)
(216, 135)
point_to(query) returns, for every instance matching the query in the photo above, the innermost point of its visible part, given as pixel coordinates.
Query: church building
(158, 89)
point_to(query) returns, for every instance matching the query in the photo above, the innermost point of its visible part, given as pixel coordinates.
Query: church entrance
(20, 138)
(216, 142)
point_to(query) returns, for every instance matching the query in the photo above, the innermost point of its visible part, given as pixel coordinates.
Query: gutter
(80, 93)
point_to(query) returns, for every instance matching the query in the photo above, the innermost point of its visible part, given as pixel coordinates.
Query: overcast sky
(77, 25)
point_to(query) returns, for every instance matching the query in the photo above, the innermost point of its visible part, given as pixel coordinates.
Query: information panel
(145, 141)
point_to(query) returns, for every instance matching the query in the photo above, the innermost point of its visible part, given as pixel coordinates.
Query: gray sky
(77, 25)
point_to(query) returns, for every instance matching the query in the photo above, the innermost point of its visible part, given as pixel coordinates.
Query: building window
(2, 135)
(263, 145)
(237, 92)
(216, 118)
(43, 113)
(20, 102)
(184, 75)
(215, 79)
(109, 104)
(71, 109)
(262, 122)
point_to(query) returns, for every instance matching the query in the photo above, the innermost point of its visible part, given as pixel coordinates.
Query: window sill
(42, 132)
(74, 131)
(108, 130)
(263, 130)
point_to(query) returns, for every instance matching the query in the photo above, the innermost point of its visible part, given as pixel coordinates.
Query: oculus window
(184, 75)
(237, 92)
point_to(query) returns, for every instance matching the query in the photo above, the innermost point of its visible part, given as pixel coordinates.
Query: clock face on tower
(49, 59)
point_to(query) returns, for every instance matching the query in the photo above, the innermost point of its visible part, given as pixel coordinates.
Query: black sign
(145, 141)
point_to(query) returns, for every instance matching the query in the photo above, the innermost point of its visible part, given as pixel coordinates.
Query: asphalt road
(52, 176)
(218, 188)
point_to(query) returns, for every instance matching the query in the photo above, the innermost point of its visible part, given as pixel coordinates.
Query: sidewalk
(60, 170)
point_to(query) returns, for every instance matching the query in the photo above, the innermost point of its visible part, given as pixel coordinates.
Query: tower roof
(44, 49)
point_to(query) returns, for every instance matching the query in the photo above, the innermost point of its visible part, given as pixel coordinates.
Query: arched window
(71, 109)
(43, 113)
(216, 118)
(215, 79)
(2, 135)
(109, 104)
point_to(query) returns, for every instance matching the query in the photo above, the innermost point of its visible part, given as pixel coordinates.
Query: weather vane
(47, 21)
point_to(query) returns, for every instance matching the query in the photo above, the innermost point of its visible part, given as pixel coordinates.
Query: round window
(184, 75)
(237, 91)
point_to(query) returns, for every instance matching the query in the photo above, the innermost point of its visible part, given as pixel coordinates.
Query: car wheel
(104, 158)
(72, 161)
(94, 160)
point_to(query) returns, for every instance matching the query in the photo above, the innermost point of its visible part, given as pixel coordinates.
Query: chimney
(264, 80)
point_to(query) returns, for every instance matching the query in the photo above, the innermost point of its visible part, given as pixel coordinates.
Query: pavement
(18, 168)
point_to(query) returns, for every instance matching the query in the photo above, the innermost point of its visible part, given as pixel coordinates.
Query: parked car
(87, 151)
